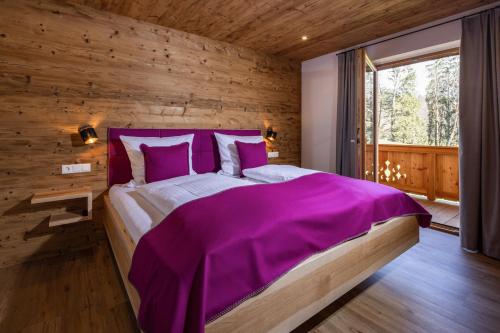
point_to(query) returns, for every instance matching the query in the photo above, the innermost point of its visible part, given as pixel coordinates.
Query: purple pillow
(162, 163)
(251, 155)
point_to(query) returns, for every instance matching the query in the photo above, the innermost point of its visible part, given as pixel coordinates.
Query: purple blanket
(211, 253)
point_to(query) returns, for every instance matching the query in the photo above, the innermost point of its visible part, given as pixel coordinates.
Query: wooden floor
(66, 294)
(434, 287)
(443, 212)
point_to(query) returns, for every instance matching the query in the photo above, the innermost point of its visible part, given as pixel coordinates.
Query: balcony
(427, 171)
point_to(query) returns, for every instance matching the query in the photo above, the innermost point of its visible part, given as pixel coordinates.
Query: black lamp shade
(88, 134)
(270, 134)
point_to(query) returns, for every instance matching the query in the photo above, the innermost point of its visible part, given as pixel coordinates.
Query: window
(418, 102)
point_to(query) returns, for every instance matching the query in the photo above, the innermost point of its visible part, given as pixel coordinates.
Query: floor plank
(79, 293)
(433, 287)
(443, 211)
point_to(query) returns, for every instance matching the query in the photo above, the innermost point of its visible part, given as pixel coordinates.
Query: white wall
(319, 88)
(319, 117)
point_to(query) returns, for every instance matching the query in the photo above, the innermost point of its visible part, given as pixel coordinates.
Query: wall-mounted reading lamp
(88, 134)
(270, 134)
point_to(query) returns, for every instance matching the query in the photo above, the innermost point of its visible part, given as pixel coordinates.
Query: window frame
(420, 58)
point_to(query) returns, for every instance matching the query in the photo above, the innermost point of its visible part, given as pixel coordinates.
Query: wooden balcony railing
(427, 170)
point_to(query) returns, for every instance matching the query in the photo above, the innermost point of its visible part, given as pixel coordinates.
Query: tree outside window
(418, 103)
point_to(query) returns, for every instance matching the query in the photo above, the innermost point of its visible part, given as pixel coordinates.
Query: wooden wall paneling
(62, 66)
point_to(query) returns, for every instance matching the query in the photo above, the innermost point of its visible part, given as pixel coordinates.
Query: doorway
(408, 129)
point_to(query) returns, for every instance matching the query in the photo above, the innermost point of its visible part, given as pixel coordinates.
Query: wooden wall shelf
(67, 217)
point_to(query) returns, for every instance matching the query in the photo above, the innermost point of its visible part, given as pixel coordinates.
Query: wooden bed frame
(302, 292)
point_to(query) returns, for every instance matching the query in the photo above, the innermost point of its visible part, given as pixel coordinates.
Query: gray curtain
(346, 115)
(480, 133)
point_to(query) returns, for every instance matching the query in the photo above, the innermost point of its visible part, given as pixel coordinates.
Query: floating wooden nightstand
(67, 217)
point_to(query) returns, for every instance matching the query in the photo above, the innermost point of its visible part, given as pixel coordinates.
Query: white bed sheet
(143, 207)
(137, 214)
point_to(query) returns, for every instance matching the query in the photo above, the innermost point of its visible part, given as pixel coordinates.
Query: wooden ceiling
(276, 26)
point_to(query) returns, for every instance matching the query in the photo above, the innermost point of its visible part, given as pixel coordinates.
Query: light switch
(75, 168)
(273, 154)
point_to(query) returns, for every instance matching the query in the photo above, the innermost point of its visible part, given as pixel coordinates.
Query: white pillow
(132, 146)
(229, 160)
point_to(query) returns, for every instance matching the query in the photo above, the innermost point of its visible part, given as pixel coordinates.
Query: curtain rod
(421, 29)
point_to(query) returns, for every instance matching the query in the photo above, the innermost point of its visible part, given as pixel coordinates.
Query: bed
(287, 302)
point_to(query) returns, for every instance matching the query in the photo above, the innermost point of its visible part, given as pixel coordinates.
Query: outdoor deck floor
(443, 212)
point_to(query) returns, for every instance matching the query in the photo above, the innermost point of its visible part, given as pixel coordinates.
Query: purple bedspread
(210, 253)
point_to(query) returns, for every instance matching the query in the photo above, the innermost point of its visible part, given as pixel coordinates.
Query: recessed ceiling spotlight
(304, 37)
